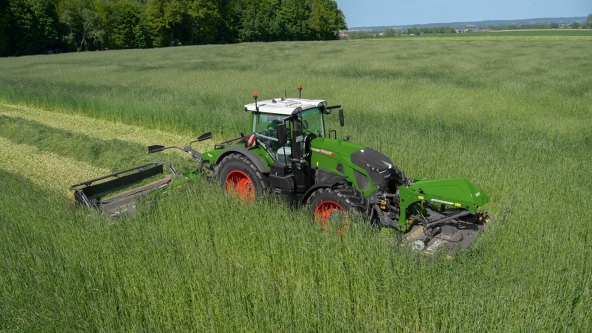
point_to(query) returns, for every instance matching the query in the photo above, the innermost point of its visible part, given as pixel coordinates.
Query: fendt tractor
(291, 154)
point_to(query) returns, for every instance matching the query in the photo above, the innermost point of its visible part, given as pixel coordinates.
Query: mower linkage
(223, 144)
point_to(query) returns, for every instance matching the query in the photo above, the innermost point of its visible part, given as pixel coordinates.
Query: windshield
(312, 122)
(265, 129)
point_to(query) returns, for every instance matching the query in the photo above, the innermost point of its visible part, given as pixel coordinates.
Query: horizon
(469, 22)
(374, 13)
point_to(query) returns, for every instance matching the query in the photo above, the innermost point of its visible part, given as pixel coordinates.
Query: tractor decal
(322, 151)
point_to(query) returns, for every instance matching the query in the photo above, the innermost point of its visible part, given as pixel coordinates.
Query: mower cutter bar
(102, 193)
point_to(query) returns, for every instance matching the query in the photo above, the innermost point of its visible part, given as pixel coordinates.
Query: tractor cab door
(294, 175)
(265, 129)
(307, 125)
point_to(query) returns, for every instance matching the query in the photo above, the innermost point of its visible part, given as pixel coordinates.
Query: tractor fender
(261, 166)
(326, 184)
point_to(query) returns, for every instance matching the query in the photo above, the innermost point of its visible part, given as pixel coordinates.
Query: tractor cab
(282, 124)
(285, 127)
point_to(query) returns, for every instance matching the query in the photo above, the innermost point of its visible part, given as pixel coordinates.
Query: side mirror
(155, 149)
(205, 136)
(341, 120)
(327, 109)
(281, 134)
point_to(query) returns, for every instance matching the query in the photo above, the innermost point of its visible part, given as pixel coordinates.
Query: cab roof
(285, 106)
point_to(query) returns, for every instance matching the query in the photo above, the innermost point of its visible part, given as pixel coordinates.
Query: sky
(367, 13)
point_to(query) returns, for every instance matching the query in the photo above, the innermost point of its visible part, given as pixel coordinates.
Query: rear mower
(292, 155)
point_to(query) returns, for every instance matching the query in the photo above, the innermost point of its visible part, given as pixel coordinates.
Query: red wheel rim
(240, 185)
(327, 209)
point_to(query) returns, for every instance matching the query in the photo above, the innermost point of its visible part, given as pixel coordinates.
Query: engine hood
(370, 159)
(364, 167)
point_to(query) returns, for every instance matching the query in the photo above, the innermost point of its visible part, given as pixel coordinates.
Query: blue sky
(360, 13)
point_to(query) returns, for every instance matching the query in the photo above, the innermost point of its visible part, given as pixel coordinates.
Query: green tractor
(292, 155)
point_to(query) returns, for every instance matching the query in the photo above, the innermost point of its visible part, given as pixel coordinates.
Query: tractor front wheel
(330, 208)
(241, 178)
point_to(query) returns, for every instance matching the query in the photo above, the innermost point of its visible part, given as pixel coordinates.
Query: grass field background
(511, 113)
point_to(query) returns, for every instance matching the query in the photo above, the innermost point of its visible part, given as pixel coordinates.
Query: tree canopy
(36, 26)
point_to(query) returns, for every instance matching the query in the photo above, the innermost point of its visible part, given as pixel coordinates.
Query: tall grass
(276, 272)
(512, 115)
(207, 264)
(196, 89)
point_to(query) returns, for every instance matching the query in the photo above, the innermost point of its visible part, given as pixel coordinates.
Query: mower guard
(104, 193)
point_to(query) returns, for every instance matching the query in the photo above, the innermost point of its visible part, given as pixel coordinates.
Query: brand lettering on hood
(323, 151)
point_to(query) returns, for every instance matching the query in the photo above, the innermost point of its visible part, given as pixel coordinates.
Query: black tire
(331, 207)
(231, 172)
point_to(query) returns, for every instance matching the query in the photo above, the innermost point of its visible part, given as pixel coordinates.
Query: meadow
(511, 113)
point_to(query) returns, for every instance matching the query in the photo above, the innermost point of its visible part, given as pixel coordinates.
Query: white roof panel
(286, 107)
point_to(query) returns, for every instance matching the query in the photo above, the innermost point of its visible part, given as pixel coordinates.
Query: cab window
(265, 125)
(312, 122)
(265, 129)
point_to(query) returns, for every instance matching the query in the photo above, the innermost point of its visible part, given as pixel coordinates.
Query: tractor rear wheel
(331, 206)
(240, 177)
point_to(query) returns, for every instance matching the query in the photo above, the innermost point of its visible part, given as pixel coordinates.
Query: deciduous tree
(33, 27)
(5, 26)
(83, 25)
(325, 19)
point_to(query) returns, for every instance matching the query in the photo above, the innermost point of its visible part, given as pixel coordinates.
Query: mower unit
(117, 192)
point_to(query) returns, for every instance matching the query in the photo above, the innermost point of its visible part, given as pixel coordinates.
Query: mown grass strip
(96, 128)
(111, 154)
(45, 169)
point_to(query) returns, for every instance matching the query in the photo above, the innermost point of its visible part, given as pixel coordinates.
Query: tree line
(36, 26)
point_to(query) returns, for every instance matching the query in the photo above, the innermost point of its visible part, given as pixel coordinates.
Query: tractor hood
(370, 159)
(354, 161)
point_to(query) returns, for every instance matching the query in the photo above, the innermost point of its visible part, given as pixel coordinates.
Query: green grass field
(511, 113)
